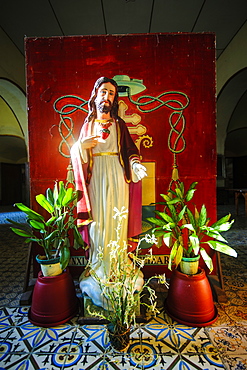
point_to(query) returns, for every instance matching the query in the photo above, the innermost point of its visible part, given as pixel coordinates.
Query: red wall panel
(174, 69)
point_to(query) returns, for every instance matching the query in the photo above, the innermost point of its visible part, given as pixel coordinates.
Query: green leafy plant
(186, 231)
(52, 234)
(119, 285)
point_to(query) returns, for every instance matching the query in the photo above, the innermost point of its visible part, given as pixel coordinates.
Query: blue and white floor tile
(160, 344)
(231, 342)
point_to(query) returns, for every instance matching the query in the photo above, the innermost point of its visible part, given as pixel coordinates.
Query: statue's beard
(103, 108)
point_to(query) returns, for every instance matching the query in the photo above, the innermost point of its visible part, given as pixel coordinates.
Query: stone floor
(160, 343)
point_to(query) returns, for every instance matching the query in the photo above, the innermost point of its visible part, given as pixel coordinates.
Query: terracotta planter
(119, 337)
(49, 267)
(189, 266)
(190, 300)
(54, 300)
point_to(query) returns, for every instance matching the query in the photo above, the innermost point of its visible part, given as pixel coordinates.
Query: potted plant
(122, 301)
(52, 234)
(54, 298)
(186, 230)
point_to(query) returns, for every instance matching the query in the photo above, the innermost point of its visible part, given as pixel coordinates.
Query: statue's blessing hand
(89, 142)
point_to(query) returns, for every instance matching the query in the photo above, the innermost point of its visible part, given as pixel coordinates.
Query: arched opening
(13, 144)
(232, 133)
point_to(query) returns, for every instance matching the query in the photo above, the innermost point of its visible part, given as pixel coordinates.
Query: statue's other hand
(139, 170)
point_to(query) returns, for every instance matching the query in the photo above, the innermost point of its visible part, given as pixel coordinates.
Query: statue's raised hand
(89, 142)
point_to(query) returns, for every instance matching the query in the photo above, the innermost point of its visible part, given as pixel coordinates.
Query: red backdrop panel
(170, 109)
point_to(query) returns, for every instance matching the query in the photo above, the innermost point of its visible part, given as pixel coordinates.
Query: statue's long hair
(91, 103)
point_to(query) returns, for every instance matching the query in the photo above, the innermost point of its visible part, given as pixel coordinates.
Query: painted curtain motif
(167, 99)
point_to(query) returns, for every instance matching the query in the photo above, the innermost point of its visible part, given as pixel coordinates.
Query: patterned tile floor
(160, 344)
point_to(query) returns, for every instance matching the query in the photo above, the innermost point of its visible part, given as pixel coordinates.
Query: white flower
(121, 214)
(151, 239)
(162, 280)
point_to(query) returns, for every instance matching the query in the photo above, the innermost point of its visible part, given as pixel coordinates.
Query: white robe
(107, 189)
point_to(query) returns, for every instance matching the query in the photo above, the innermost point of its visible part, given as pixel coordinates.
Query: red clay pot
(190, 300)
(54, 300)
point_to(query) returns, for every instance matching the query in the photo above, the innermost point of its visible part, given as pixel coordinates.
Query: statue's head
(92, 104)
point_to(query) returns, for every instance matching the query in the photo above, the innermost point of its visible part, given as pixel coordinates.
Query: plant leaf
(194, 240)
(222, 247)
(179, 193)
(222, 220)
(50, 221)
(20, 232)
(165, 216)
(49, 196)
(174, 201)
(188, 226)
(52, 235)
(31, 214)
(65, 254)
(181, 186)
(61, 194)
(55, 193)
(223, 227)
(196, 216)
(191, 218)
(167, 239)
(158, 232)
(172, 209)
(181, 213)
(43, 202)
(193, 185)
(172, 254)
(179, 255)
(214, 234)
(78, 237)
(207, 259)
(165, 197)
(189, 195)
(37, 225)
(202, 216)
(156, 221)
(171, 192)
(68, 197)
